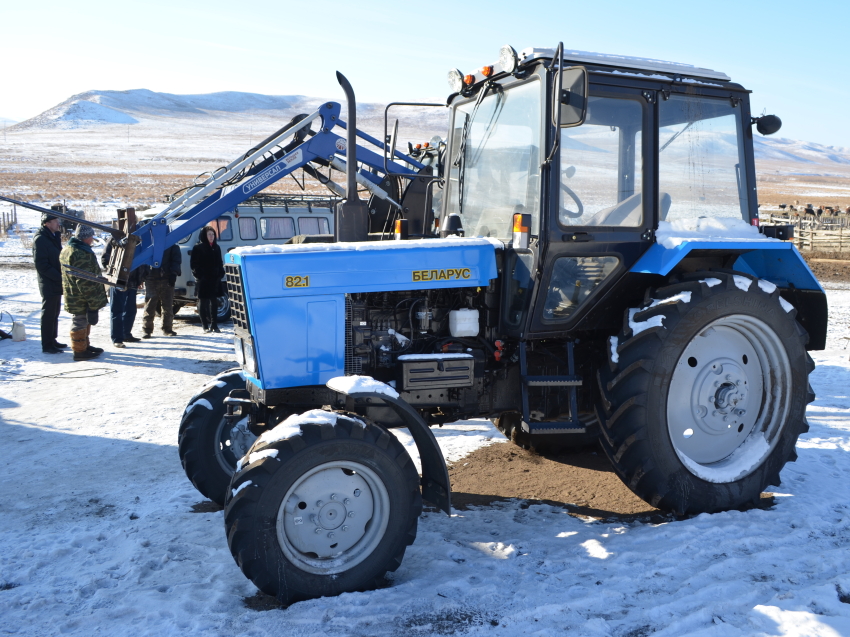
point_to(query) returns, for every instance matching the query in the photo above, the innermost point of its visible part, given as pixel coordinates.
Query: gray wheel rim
(233, 442)
(333, 517)
(729, 398)
(222, 306)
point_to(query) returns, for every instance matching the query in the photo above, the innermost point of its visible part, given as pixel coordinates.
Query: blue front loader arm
(226, 192)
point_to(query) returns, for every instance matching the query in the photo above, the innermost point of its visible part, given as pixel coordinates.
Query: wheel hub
(241, 439)
(329, 512)
(717, 389)
(720, 396)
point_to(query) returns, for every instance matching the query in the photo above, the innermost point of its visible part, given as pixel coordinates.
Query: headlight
(508, 58)
(455, 78)
(240, 353)
(250, 361)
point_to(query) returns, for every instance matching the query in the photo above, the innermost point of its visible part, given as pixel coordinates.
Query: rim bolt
(318, 530)
(714, 413)
(351, 514)
(319, 503)
(331, 534)
(333, 496)
(717, 383)
(728, 376)
(725, 418)
(346, 501)
(344, 527)
(357, 493)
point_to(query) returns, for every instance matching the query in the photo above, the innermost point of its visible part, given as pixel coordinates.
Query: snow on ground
(99, 532)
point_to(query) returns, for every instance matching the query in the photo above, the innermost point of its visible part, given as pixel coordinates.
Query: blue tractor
(595, 271)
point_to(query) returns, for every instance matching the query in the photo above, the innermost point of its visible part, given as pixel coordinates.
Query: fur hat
(84, 232)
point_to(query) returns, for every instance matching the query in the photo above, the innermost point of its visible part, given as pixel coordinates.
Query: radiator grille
(353, 364)
(236, 294)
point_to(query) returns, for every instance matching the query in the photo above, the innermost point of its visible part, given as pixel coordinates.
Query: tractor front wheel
(705, 393)
(325, 503)
(209, 445)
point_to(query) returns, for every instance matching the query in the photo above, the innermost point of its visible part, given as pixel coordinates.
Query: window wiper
(672, 139)
(459, 161)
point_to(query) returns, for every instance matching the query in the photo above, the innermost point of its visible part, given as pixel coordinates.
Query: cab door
(601, 206)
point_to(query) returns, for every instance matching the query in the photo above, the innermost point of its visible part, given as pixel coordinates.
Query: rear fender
(436, 487)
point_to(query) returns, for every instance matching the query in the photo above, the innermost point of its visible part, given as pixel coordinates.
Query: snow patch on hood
(674, 233)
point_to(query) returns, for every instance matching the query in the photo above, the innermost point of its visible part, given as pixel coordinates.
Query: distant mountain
(796, 151)
(98, 108)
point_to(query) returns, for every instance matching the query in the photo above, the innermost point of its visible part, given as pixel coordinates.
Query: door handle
(576, 237)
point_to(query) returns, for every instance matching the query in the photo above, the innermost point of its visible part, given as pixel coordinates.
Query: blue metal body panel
(774, 261)
(299, 331)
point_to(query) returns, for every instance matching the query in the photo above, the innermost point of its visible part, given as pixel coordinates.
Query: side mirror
(572, 105)
(767, 124)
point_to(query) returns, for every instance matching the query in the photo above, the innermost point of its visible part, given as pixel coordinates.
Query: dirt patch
(259, 601)
(581, 482)
(829, 266)
(206, 506)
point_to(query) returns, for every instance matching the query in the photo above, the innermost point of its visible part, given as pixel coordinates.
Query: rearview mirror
(572, 104)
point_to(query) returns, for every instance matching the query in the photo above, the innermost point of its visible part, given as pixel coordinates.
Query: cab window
(277, 227)
(701, 158)
(602, 165)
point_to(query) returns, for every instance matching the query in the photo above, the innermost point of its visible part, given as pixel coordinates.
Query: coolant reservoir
(463, 323)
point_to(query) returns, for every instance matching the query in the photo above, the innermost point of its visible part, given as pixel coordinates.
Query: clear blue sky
(794, 56)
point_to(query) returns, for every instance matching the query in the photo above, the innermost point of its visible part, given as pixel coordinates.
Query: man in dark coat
(208, 269)
(83, 298)
(159, 289)
(122, 305)
(45, 251)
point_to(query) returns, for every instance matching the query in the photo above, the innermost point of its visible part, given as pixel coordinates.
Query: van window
(223, 228)
(247, 228)
(277, 227)
(313, 225)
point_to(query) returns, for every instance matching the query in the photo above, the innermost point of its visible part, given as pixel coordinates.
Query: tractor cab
(574, 159)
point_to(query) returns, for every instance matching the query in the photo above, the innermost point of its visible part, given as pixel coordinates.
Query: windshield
(495, 170)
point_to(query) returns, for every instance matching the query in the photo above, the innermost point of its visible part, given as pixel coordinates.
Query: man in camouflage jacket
(83, 298)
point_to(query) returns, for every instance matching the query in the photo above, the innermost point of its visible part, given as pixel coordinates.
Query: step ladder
(572, 382)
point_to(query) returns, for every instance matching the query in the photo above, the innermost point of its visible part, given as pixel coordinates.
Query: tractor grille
(353, 364)
(236, 294)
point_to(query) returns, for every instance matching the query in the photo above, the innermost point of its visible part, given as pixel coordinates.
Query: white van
(260, 220)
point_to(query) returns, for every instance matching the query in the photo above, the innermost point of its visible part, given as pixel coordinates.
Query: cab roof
(625, 62)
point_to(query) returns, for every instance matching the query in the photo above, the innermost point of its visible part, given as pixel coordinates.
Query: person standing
(46, 248)
(83, 298)
(122, 305)
(207, 268)
(159, 289)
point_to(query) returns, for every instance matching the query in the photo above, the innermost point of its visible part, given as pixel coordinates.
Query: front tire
(705, 393)
(209, 447)
(328, 509)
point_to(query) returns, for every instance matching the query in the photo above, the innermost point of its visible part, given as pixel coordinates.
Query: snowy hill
(797, 151)
(97, 108)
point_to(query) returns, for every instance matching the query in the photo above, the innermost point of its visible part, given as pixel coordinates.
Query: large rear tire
(323, 510)
(210, 448)
(705, 393)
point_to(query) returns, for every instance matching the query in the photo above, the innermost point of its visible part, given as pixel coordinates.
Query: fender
(436, 487)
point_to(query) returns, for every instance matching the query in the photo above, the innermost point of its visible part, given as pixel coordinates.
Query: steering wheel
(570, 213)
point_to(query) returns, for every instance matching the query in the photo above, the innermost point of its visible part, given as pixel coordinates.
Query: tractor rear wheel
(322, 509)
(705, 393)
(210, 447)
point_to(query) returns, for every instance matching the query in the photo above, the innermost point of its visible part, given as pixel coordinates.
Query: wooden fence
(824, 234)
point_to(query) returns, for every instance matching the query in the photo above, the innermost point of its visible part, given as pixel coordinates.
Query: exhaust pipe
(351, 221)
